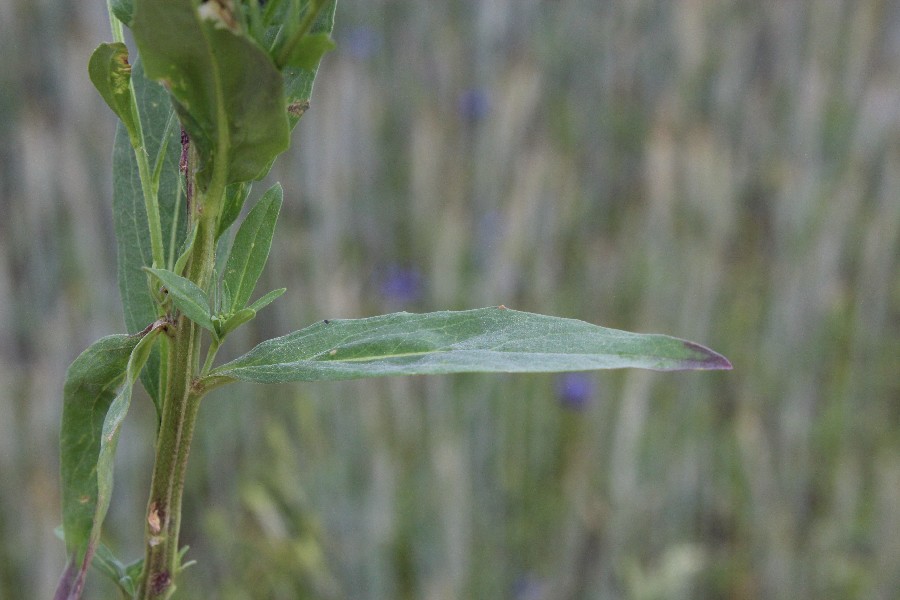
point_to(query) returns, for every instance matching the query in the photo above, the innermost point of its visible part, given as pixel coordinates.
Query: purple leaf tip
(707, 359)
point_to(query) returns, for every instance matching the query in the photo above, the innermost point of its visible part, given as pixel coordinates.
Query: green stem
(180, 407)
(210, 357)
(148, 189)
(151, 199)
(115, 24)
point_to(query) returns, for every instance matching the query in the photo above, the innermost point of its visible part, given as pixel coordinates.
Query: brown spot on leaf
(298, 107)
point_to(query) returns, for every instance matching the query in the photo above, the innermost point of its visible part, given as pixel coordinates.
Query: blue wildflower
(474, 104)
(575, 391)
(401, 285)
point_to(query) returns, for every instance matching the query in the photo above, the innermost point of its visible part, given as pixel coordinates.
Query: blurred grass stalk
(724, 171)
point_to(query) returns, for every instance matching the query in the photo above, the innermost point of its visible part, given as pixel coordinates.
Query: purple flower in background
(527, 587)
(473, 104)
(401, 285)
(360, 42)
(574, 390)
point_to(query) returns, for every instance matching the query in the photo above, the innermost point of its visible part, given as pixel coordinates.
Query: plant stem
(148, 189)
(115, 24)
(180, 407)
(151, 201)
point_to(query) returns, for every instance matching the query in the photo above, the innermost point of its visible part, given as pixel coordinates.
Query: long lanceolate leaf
(250, 249)
(92, 417)
(481, 340)
(161, 143)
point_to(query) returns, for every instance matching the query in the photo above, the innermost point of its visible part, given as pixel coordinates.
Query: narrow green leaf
(187, 297)
(267, 299)
(298, 82)
(111, 75)
(169, 133)
(228, 94)
(235, 196)
(178, 269)
(481, 340)
(130, 216)
(310, 50)
(250, 249)
(92, 413)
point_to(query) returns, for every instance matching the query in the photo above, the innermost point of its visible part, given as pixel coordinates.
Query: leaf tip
(706, 359)
(67, 581)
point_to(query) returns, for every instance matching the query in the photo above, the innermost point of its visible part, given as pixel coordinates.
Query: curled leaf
(110, 73)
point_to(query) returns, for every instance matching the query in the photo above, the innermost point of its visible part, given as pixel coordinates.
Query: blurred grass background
(720, 170)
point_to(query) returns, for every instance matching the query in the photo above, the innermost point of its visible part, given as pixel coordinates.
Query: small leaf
(267, 299)
(250, 250)
(482, 340)
(111, 75)
(133, 570)
(237, 319)
(92, 416)
(106, 562)
(310, 50)
(188, 298)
